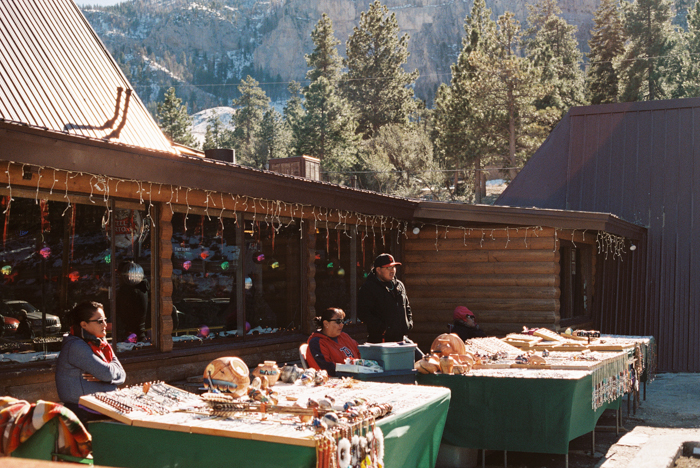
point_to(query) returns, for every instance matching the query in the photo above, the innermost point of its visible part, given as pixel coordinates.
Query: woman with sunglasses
(87, 364)
(329, 345)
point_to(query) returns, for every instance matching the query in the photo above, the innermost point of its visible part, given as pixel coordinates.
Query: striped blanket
(19, 420)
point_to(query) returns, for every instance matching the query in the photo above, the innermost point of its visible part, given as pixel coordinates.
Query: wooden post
(165, 280)
(309, 272)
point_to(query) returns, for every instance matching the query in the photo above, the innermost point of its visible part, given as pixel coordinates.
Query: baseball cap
(385, 260)
(462, 312)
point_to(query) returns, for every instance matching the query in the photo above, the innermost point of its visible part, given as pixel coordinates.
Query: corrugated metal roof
(640, 162)
(55, 73)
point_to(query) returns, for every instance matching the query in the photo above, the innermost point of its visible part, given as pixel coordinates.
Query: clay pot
(268, 369)
(446, 364)
(428, 365)
(227, 374)
(446, 344)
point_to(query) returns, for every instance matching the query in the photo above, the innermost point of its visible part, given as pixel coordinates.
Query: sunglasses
(338, 321)
(102, 321)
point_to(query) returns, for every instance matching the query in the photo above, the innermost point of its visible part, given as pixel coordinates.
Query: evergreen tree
(376, 84)
(458, 133)
(217, 136)
(401, 160)
(294, 113)
(327, 129)
(174, 119)
(273, 139)
(644, 69)
(508, 85)
(683, 65)
(607, 45)
(550, 43)
(250, 108)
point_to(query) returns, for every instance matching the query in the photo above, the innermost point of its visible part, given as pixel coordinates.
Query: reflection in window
(53, 255)
(333, 261)
(273, 279)
(206, 293)
(205, 259)
(132, 243)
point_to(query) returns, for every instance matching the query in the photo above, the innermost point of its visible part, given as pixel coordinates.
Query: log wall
(509, 277)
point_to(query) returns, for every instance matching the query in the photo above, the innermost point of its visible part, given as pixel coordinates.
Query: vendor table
(541, 414)
(412, 436)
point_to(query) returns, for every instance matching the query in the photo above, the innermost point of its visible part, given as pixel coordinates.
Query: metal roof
(55, 73)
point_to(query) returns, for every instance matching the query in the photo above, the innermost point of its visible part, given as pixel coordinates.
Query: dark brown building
(639, 161)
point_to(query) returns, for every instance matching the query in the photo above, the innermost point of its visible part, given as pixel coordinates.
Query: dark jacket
(384, 308)
(466, 332)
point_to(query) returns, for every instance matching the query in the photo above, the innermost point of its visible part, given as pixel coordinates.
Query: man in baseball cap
(382, 303)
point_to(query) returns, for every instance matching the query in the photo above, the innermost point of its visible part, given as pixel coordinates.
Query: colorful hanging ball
(186, 265)
(6, 270)
(225, 265)
(45, 252)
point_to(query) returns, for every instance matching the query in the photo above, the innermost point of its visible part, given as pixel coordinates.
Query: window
(210, 254)
(55, 254)
(575, 280)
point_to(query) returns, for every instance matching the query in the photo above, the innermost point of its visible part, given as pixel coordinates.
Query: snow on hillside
(200, 120)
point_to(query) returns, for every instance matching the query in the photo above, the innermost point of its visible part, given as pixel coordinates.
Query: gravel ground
(671, 410)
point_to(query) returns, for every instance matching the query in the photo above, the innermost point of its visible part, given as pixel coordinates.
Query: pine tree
(376, 84)
(550, 43)
(459, 141)
(684, 76)
(294, 113)
(327, 129)
(273, 138)
(509, 85)
(644, 69)
(216, 136)
(174, 119)
(250, 108)
(607, 45)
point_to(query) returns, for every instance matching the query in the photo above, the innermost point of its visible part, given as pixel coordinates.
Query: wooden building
(233, 260)
(638, 161)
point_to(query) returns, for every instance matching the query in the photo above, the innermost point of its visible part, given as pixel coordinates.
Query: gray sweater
(76, 358)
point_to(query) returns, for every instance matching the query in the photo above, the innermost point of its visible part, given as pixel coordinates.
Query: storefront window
(273, 276)
(205, 260)
(53, 255)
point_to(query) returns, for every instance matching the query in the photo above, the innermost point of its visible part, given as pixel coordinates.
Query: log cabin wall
(509, 277)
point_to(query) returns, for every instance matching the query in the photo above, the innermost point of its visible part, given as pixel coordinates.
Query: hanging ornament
(45, 252)
(186, 265)
(204, 255)
(74, 276)
(6, 270)
(131, 273)
(225, 266)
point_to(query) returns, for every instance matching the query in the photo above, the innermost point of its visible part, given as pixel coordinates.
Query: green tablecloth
(411, 439)
(518, 414)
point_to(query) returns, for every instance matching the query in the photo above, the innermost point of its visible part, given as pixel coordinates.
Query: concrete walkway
(669, 417)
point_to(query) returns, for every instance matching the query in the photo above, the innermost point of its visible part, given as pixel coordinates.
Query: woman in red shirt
(329, 345)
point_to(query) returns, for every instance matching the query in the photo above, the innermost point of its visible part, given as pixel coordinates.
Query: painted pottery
(227, 374)
(268, 369)
(446, 344)
(428, 364)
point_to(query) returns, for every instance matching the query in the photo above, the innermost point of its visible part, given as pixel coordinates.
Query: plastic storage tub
(391, 356)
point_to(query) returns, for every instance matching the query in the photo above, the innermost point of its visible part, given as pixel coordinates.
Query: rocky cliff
(206, 48)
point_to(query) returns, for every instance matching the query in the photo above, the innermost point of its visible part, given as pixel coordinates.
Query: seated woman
(329, 345)
(87, 364)
(465, 324)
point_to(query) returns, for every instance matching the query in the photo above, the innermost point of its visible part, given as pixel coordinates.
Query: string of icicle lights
(607, 244)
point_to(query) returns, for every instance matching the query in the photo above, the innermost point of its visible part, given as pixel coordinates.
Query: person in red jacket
(329, 345)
